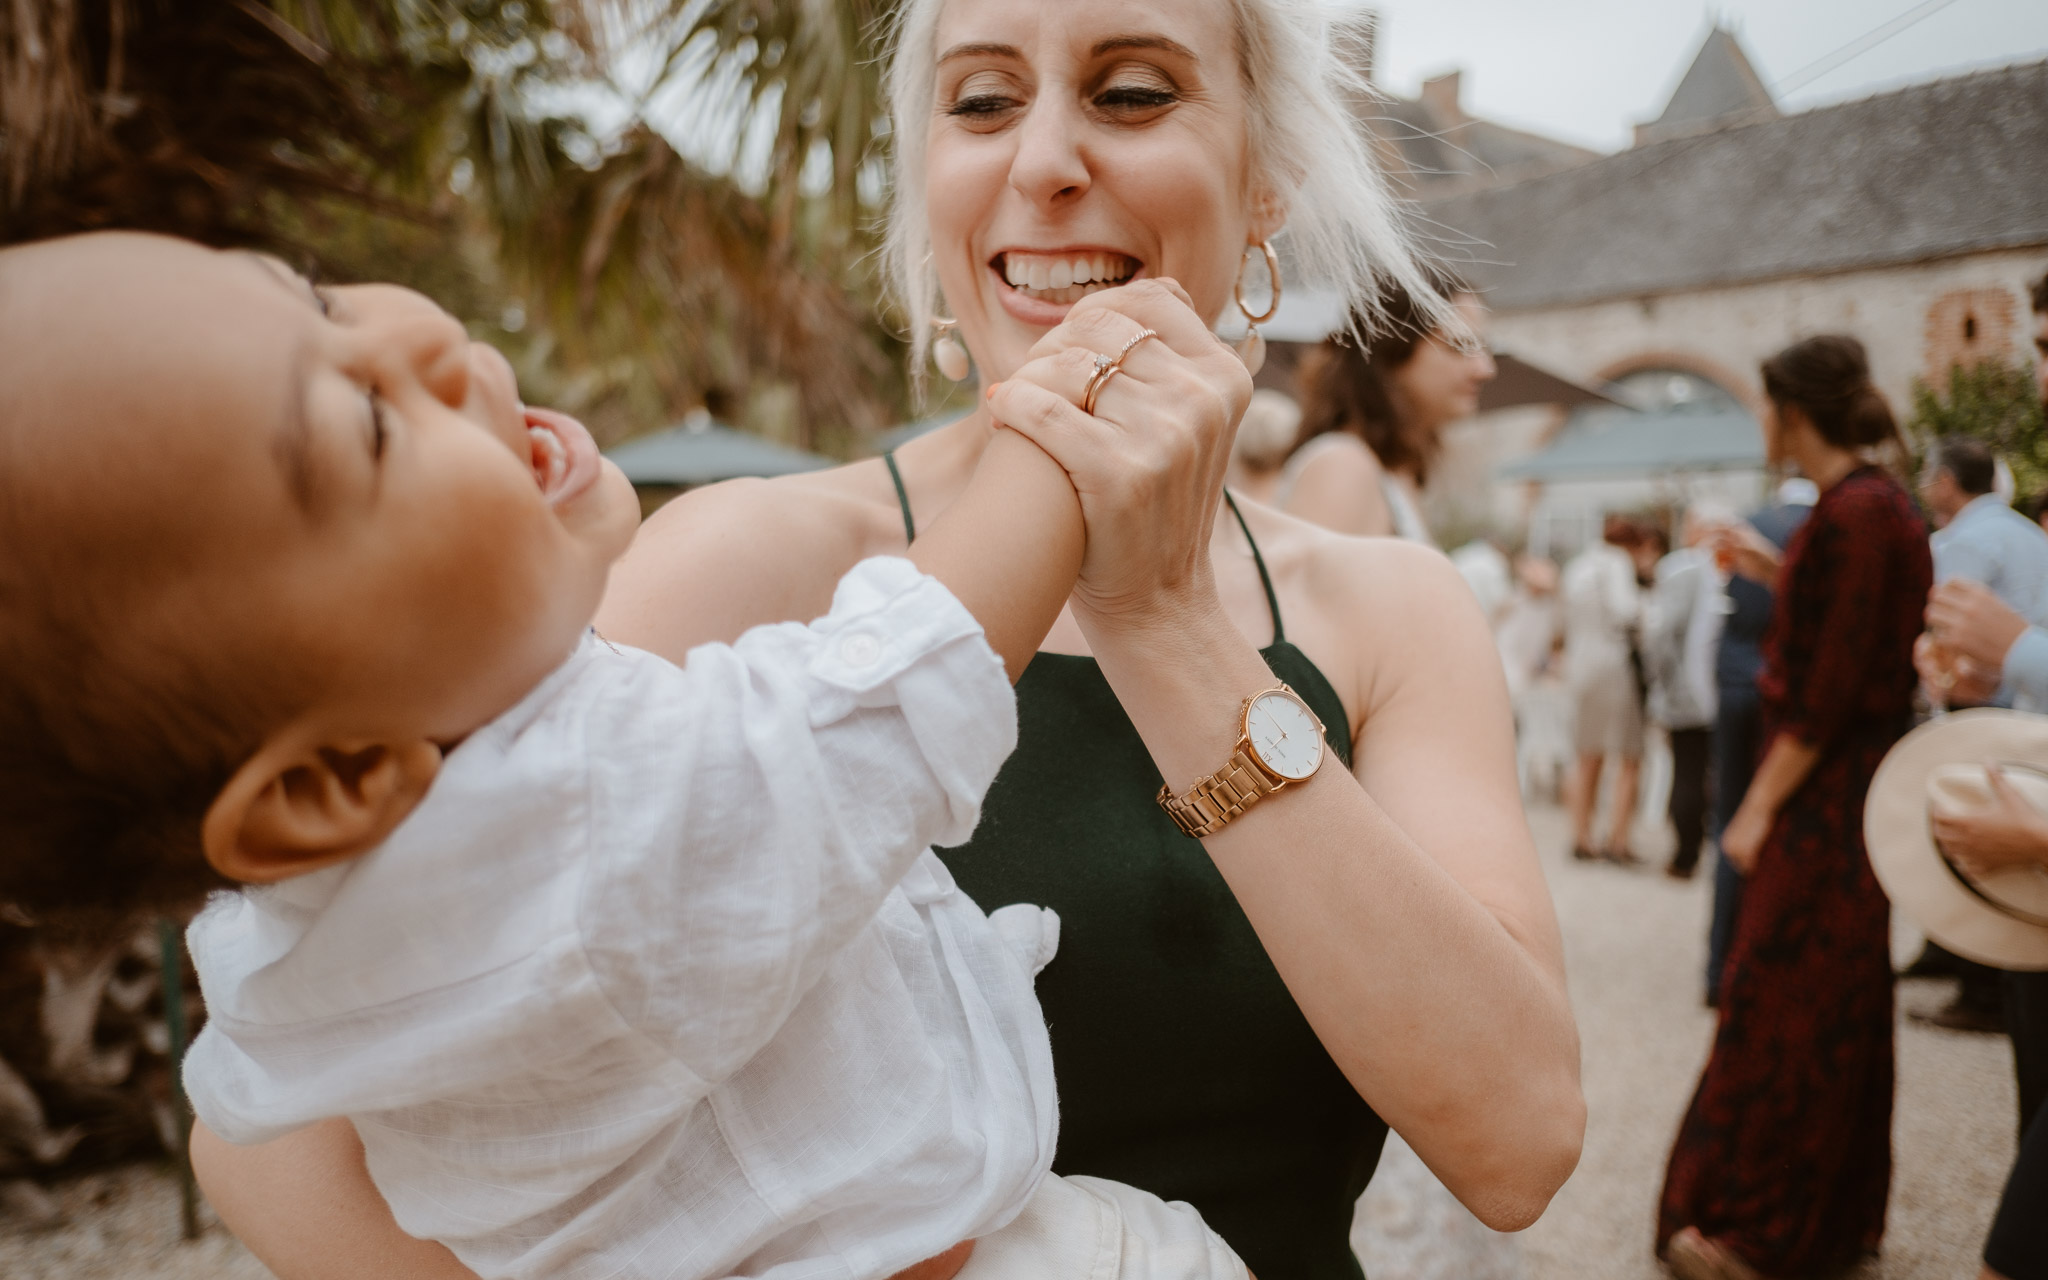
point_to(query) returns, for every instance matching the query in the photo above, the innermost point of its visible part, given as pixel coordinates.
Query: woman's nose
(1049, 166)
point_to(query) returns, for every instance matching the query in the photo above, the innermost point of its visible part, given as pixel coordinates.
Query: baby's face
(336, 479)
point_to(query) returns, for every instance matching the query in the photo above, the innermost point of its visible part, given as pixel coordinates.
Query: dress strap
(1265, 579)
(903, 499)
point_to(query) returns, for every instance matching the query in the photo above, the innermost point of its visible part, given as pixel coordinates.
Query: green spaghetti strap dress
(1184, 1065)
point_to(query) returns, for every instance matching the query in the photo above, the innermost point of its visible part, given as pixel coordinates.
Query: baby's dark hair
(108, 763)
(104, 780)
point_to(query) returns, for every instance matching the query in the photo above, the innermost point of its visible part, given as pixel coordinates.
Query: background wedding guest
(1601, 605)
(1373, 416)
(1265, 436)
(2014, 832)
(1988, 646)
(1681, 633)
(1980, 540)
(1738, 711)
(1979, 537)
(1783, 1161)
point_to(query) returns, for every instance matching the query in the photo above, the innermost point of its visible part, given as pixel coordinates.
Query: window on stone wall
(1967, 327)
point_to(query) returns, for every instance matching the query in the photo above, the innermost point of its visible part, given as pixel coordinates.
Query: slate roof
(1438, 154)
(1720, 83)
(1956, 166)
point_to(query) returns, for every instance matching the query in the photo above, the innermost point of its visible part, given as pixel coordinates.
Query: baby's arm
(1009, 547)
(749, 812)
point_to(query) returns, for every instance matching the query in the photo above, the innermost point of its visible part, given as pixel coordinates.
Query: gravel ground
(1634, 941)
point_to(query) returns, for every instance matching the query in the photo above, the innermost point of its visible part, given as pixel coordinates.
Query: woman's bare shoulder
(734, 555)
(1334, 480)
(1337, 453)
(1343, 566)
(1383, 608)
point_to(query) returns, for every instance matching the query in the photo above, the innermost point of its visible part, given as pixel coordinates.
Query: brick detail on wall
(1965, 326)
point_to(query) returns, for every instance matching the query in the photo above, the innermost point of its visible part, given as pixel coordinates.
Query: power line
(1856, 48)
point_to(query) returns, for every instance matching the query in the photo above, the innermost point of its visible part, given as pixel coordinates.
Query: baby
(618, 968)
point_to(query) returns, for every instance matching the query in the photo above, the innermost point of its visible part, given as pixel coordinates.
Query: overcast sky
(1588, 70)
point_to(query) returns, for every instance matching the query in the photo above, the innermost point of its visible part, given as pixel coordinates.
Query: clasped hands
(1148, 464)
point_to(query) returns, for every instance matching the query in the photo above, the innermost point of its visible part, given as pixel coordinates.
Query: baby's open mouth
(564, 458)
(550, 458)
(1062, 278)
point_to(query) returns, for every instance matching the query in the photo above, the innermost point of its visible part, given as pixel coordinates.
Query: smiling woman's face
(1078, 144)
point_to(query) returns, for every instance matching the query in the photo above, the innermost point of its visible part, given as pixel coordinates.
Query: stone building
(1912, 219)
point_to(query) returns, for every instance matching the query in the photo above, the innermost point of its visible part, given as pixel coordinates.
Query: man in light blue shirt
(1981, 539)
(1976, 644)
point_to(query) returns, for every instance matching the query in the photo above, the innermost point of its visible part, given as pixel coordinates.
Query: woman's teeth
(550, 458)
(1064, 278)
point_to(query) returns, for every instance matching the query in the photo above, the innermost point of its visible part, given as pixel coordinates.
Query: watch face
(1284, 735)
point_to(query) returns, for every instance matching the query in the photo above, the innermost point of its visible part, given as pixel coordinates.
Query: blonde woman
(1236, 1019)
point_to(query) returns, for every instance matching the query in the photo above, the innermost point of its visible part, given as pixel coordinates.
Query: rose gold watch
(1280, 742)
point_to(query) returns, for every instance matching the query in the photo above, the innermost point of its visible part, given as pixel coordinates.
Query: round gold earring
(1252, 347)
(947, 353)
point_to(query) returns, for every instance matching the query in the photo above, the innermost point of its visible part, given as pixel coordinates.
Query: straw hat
(2001, 919)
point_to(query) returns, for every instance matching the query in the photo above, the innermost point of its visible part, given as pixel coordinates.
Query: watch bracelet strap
(1212, 802)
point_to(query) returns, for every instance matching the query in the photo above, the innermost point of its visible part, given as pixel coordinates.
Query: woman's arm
(1408, 915)
(1338, 487)
(305, 1206)
(1403, 905)
(1784, 770)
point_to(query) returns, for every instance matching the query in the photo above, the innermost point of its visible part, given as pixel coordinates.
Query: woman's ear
(292, 809)
(1269, 214)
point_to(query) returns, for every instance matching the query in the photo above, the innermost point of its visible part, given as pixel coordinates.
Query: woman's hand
(2012, 832)
(1149, 463)
(1743, 838)
(1740, 549)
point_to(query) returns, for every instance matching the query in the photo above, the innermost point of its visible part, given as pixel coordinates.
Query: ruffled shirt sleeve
(2026, 670)
(750, 810)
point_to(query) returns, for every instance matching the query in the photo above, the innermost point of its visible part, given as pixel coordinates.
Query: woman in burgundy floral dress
(1784, 1159)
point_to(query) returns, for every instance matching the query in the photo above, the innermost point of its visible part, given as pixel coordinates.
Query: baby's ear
(292, 809)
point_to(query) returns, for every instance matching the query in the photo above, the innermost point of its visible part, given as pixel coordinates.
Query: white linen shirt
(662, 979)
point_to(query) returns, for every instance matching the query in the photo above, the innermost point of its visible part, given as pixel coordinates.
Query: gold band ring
(1106, 368)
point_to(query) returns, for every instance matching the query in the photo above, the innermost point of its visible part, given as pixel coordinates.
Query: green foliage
(450, 145)
(1995, 402)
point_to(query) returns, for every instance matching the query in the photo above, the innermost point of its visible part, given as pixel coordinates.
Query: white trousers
(1090, 1229)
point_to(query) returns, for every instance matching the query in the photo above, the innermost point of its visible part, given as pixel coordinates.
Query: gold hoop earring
(947, 353)
(1252, 347)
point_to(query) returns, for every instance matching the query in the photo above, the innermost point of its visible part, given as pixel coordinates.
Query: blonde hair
(1343, 231)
